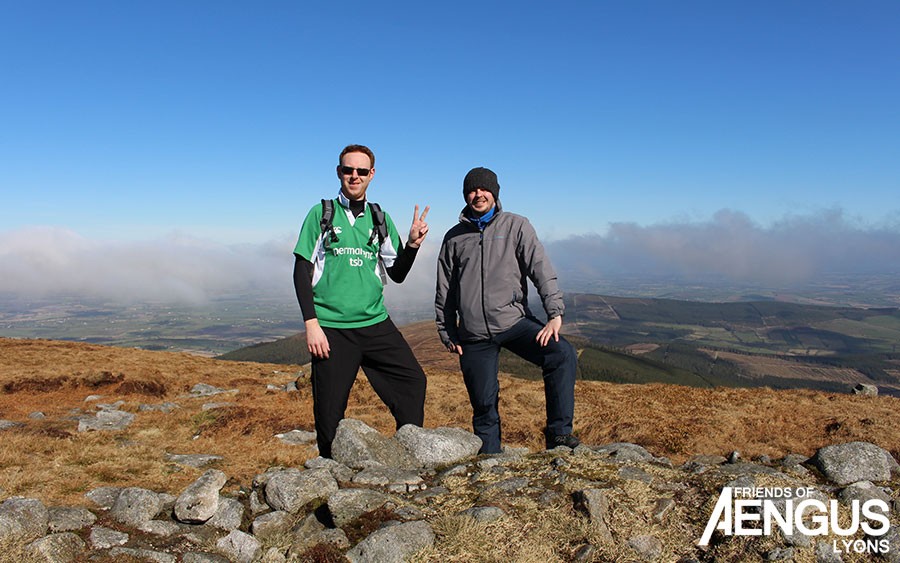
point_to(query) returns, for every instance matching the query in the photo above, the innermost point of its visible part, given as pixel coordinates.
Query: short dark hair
(358, 148)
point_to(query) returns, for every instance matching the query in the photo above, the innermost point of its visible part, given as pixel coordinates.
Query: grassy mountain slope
(290, 350)
(700, 355)
(47, 457)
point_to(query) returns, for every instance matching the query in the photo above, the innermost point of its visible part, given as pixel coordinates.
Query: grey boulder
(23, 519)
(135, 506)
(393, 544)
(290, 489)
(359, 446)
(438, 446)
(848, 463)
(200, 500)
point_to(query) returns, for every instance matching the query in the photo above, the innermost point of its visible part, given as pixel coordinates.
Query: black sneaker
(568, 440)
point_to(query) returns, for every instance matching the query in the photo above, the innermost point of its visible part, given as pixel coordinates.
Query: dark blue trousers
(480, 363)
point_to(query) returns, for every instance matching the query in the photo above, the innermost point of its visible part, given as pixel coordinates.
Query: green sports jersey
(348, 275)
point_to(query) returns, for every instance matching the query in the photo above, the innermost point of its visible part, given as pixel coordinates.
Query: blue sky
(222, 120)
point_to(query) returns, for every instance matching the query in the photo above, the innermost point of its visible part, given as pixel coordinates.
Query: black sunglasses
(348, 171)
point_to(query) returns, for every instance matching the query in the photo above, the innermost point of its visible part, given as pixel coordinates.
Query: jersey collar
(345, 201)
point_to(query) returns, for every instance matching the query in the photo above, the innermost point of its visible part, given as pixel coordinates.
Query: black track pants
(390, 366)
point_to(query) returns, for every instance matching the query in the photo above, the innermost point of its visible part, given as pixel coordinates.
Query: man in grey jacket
(481, 306)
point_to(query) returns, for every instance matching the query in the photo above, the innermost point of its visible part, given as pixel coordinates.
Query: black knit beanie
(483, 178)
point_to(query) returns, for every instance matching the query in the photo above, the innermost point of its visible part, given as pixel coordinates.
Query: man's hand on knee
(550, 330)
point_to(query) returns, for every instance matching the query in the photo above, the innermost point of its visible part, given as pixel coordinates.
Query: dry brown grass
(537, 530)
(16, 552)
(533, 530)
(48, 459)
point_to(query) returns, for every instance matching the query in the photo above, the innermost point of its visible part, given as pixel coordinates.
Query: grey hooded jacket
(481, 278)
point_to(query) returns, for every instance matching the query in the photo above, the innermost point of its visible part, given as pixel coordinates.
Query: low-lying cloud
(790, 251)
(50, 261)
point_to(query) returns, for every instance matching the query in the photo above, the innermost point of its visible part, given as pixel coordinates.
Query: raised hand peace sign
(419, 228)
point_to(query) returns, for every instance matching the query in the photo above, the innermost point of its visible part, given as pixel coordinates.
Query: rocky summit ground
(60, 403)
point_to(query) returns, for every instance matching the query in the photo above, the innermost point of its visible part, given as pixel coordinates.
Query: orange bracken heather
(47, 458)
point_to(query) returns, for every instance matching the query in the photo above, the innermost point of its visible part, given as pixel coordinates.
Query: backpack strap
(379, 231)
(379, 228)
(326, 222)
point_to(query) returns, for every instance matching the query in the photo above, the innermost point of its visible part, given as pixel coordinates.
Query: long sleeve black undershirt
(303, 273)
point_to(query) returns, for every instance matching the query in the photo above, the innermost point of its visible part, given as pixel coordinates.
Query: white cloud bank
(792, 250)
(49, 261)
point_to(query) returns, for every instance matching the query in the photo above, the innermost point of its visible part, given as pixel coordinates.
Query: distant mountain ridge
(768, 343)
(739, 344)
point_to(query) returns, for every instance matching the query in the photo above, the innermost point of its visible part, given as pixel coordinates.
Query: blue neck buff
(481, 222)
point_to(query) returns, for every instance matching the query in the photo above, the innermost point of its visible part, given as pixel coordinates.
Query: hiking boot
(567, 440)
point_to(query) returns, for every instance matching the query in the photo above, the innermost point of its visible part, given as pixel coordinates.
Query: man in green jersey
(339, 275)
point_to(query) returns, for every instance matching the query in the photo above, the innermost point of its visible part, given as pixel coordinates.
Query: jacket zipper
(487, 326)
